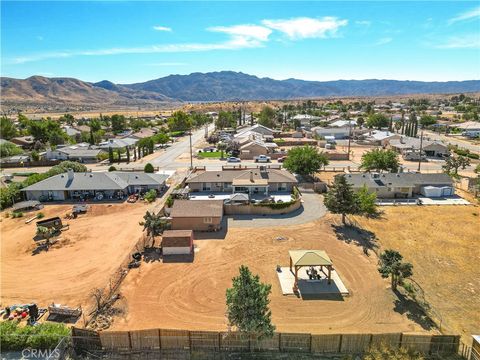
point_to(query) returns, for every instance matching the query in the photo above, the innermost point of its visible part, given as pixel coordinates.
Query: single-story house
(118, 143)
(177, 242)
(204, 215)
(402, 185)
(144, 133)
(380, 137)
(259, 129)
(251, 181)
(255, 148)
(80, 152)
(26, 142)
(429, 148)
(337, 132)
(70, 130)
(306, 119)
(344, 123)
(94, 185)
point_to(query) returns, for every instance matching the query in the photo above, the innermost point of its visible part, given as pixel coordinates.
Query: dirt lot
(192, 295)
(442, 244)
(84, 257)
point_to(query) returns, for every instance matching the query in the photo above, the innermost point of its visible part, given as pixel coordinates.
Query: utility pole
(349, 137)
(421, 146)
(191, 155)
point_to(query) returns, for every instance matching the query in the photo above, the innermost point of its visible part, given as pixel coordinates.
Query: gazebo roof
(310, 258)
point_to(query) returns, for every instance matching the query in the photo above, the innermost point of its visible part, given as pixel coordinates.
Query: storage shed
(177, 242)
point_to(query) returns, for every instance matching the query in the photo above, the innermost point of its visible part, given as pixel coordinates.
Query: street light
(191, 155)
(420, 154)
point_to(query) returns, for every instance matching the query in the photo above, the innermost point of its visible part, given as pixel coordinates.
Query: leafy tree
(9, 195)
(7, 128)
(200, 120)
(266, 117)
(154, 225)
(46, 130)
(427, 120)
(179, 121)
(147, 145)
(149, 168)
(380, 160)
(341, 199)
(137, 124)
(377, 120)
(161, 138)
(225, 120)
(367, 202)
(305, 160)
(118, 123)
(112, 168)
(67, 118)
(247, 305)
(150, 195)
(95, 125)
(454, 163)
(9, 149)
(360, 121)
(477, 169)
(390, 265)
(35, 155)
(222, 147)
(110, 155)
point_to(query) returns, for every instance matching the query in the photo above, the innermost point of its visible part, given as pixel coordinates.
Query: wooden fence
(213, 341)
(29, 164)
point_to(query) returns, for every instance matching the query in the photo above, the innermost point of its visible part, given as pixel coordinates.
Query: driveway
(311, 209)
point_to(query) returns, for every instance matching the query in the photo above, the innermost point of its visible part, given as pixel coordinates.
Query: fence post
(129, 340)
(190, 341)
(400, 343)
(280, 342)
(160, 338)
(310, 342)
(340, 344)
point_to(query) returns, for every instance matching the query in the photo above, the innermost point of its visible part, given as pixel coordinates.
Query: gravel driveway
(312, 209)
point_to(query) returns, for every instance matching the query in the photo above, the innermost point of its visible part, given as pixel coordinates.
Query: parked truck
(262, 159)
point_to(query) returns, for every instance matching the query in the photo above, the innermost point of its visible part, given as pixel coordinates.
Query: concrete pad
(308, 287)
(449, 200)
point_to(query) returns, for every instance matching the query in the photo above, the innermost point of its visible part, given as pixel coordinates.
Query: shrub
(149, 168)
(40, 215)
(151, 195)
(42, 336)
(169, 202)
(473, 156)
(176, 133)
(112, 168)
(276, 206)
(17, 214)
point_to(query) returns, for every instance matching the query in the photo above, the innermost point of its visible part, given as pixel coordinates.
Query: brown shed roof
(177, 238)
(197, 208)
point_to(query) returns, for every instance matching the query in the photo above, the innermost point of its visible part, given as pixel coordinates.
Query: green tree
(154, 225)
(454, 163)
(377, 120)
(9, 195)
(390, 265)
(179, 121)
(367, 202)
(341, 199)
(380, 160)
(7, 128)
(67, 118)
(110, 155)
(150, 195)
(305, 160)
(266, 117)
(225, 119)
(118, 123)
(9, 149)
(161, 138)
(248, 305)
(112, 168)
(360, 121)
(427, 120)
(222, 147)
(95, 125)
(149, 168)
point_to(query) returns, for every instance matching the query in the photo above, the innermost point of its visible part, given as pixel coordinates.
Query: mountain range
(213, 86)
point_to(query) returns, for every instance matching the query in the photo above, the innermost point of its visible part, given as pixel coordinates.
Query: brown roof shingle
(271, 175)
(197, 208)
(177, 238)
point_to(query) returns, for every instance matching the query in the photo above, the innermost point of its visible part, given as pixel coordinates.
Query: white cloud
(304, 27)
(363, 22)
(469, 41)
(161, 28)
(467, 15)
(383, 41)
(244, 34)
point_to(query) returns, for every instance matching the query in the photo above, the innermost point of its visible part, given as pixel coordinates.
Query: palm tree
(154, 224)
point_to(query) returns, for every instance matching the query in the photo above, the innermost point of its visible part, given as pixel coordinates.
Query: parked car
(262, 159)
(233, 159)
(282, 159)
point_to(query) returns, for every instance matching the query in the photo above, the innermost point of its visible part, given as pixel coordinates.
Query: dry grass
(442, 244)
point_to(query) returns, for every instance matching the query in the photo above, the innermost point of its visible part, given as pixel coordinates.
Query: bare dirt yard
(442, 244)
(192, 295)
(84, 257)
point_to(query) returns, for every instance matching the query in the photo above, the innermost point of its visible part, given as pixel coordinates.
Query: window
(207, 220)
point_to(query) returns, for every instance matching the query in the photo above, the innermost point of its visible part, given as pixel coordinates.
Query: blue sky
(129, 42)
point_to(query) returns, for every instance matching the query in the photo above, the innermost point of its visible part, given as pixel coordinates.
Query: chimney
(70, 174)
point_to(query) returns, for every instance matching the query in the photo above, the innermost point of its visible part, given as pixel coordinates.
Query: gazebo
(302, 258)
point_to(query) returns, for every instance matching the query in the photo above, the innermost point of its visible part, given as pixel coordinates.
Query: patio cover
(26, 204)
(310, 258)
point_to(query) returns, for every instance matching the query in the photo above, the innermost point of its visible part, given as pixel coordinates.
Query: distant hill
(44, 90)
(229, 85)
(64, 93)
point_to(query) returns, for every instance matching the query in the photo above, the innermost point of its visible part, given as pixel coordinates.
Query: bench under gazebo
(310, 258)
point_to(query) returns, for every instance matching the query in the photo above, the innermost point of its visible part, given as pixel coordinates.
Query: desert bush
(42, 336)
(40, 215)
(149, 168)
(150, 196)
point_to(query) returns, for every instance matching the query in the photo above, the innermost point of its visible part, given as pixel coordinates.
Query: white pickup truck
(262, 159)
